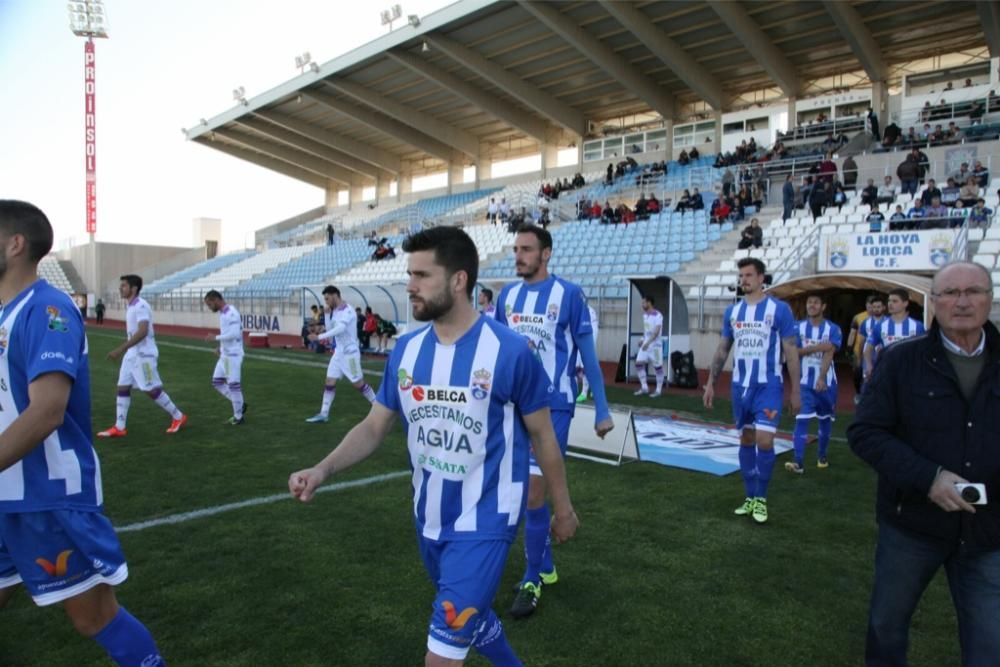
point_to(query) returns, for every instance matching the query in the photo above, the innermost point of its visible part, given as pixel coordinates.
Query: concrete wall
(115, 259)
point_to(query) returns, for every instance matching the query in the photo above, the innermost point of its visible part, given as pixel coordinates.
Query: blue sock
(547, 565)
(748, 468)
(799, 439)
(825, 426)
(128, 642)
(536, 534)
(492, 644)
(765, 464)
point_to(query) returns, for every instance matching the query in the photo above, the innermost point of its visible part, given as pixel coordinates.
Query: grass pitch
(661, 572)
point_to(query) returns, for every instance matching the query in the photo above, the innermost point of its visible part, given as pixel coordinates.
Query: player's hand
(709, 396)
(795, 401)
(209, 338)
(115, 354)
(313, 337)
(944, 495)
(602, 428)
(821, 385)
(563, 526)
(303, 484)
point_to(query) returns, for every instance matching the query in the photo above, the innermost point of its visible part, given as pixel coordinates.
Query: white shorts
(229, 368)
(652, 355)
(345, 364)
(140, 372)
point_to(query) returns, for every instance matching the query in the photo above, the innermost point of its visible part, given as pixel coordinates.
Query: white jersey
(230, 332)
(652, 323)
(138, 310)
(342, 326)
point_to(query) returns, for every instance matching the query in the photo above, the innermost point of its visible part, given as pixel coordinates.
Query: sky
(165, 66)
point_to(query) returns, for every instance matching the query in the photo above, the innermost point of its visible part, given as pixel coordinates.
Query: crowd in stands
(383, 249)
(620, 214)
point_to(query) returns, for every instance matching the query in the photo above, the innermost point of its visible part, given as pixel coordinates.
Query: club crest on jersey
(405, 381)
(508, 309)
(56, 323)
(553, 312)
(481, 384)
(768, 320)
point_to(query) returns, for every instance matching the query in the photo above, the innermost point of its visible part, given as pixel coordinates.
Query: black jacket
(912, 419)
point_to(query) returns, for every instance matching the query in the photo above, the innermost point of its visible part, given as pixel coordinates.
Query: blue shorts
(466, 575)
(560, 424)
(59, 554)
(818, 404)
(758, 406)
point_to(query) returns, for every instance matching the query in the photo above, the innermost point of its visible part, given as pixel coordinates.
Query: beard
(425, 310)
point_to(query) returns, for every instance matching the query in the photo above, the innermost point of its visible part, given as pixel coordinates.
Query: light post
(88, 19)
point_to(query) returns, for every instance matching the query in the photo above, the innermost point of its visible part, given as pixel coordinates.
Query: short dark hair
(133, 281)
(213, 294)
(816, 295)
(453, 249)
(649, 298)
(20, 217)
(488, 292)
(543, 235)
(877, 298)
(752, 261)
(900, 292)
(330, 289)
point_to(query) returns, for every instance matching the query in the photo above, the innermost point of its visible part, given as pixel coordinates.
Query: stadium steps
(75, 281)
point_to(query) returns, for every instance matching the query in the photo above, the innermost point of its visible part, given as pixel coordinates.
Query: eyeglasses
(951, 294)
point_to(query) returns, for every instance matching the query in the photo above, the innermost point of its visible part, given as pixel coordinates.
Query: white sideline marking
(262, 500)
(250, 355)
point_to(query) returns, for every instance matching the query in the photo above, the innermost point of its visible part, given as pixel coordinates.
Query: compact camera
(974, 494)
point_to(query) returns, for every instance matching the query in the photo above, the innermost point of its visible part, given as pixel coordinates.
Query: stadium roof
(477, 74)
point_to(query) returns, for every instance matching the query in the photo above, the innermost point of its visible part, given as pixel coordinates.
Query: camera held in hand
(974, 494)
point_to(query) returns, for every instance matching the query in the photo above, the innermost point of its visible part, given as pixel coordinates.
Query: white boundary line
(252, 502)
(251, 355)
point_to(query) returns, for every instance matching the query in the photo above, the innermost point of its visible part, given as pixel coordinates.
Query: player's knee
(536, 492)
(124, 391)
(155, 392)
(91, 611)
(6, 594)
(434, 660)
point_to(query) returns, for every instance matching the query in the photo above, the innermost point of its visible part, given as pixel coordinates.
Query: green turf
(661, 573)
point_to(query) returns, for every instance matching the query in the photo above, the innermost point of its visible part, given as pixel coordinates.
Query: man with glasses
(929, 423)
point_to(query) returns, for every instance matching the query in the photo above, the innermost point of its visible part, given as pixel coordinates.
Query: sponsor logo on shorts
(457, 620)
(57, 569)
(56, 323)
(771, 414)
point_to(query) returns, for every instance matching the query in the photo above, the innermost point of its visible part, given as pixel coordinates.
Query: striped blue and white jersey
(756, 331)
(888, 331)
(865, 330)
(551, 314)
(810, 364)
(41, 332)
(461, 406)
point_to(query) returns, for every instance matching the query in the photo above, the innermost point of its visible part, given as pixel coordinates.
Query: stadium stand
(191, 273)
(237, 272)
(50, 269)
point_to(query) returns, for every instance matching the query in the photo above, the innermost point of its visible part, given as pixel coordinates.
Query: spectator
(930, 192)
(694, 154)
(937, 215)
(950, 192)
(819, 199)
(968, 83)
(910, 137)
(917, 214)
(728, 180)
(697, 203)
(610, 177)
(329, 234)
(873, 123)
(492, 211)
(504, 209)
(937, 136)
(787, 198)
(720, 211)
(976, 113)
(385, 330)
(99, 310)
(683, 159)
(361, 324)
(969, 192)
(913, 428)
(869, 195)
(752, 235)
(608, 214)
(596, 211)
(898, 220)
(961, 175)
(369, 328)
(979, 215)
(383, 251)
(850, 170)
(958, 215)
(875, 220)
(839, 196)
(624, 214)
(887, 191)
(922, 160)
(578, 180)
(891, 135)
(982, 174)
(829, 144)
(954, 134)
(908, 173)
(640, 207)
(828, 169)
(653, 205)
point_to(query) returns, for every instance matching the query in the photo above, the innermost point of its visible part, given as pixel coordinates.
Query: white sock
(641, 372)
(236, 396)
(367, 391)
(328, 395)
(164, 402)
(121, 410)
(659, 379)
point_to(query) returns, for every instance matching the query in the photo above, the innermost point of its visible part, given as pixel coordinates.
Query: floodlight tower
(88, 19)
